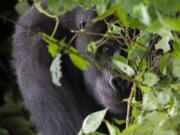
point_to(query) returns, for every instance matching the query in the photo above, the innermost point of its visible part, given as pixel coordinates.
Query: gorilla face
(106, 89)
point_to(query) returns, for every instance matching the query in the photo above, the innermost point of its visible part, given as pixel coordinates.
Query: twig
(129, 104)
(94, 34)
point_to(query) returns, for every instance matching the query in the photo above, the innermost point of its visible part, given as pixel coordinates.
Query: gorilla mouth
(116, 105)
(121, 90)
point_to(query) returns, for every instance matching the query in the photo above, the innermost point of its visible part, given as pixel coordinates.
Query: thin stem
(37, 4)
(133, 88)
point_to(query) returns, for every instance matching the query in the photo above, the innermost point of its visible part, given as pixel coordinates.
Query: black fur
(61, 110)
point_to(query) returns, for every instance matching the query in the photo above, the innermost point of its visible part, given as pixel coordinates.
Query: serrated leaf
(93, 121)
(55, 70)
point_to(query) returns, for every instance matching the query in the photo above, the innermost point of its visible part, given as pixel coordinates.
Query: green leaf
(164, 97)
(172, 23)
(164, 63)
(136, 51)
(175, 65)
(104, 15)
(53, 49)
(3, 131)
(113, 130)
(166, 7)
(141, 12)
(93, 121)
(59, 7)
(101, 6)
(21, 7)
(55, 70)
(175, 86)
(115, 29)
(119, 122)
(150, 102)
(144, 38)
(150, 79)
(121, 13)
(130, 130)
(92, 47)
(77, 59)
(176, 49)
(145, 88)
(17, 124)
(135, 112)
(145, 15)
(163, 44)
(120, 58)
(120, 66)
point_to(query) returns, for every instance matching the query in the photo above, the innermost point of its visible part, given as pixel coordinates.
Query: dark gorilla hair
(61, 110)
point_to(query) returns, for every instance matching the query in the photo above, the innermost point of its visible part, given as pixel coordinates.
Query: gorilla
(61, 110)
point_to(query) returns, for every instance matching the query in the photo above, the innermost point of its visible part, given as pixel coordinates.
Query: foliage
(150, 30)
(153, 61)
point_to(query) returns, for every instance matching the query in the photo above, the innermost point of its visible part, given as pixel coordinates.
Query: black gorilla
(61, 110)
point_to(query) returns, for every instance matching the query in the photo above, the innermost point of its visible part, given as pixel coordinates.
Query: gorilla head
(106, 89)
(61, 110)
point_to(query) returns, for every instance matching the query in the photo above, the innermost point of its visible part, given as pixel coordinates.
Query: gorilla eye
(108, 50)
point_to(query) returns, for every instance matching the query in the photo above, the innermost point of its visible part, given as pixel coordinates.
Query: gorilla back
(61, 110)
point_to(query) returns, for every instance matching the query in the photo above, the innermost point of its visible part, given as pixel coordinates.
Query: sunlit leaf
(77, 59)
(93, 121)
(120, 66)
